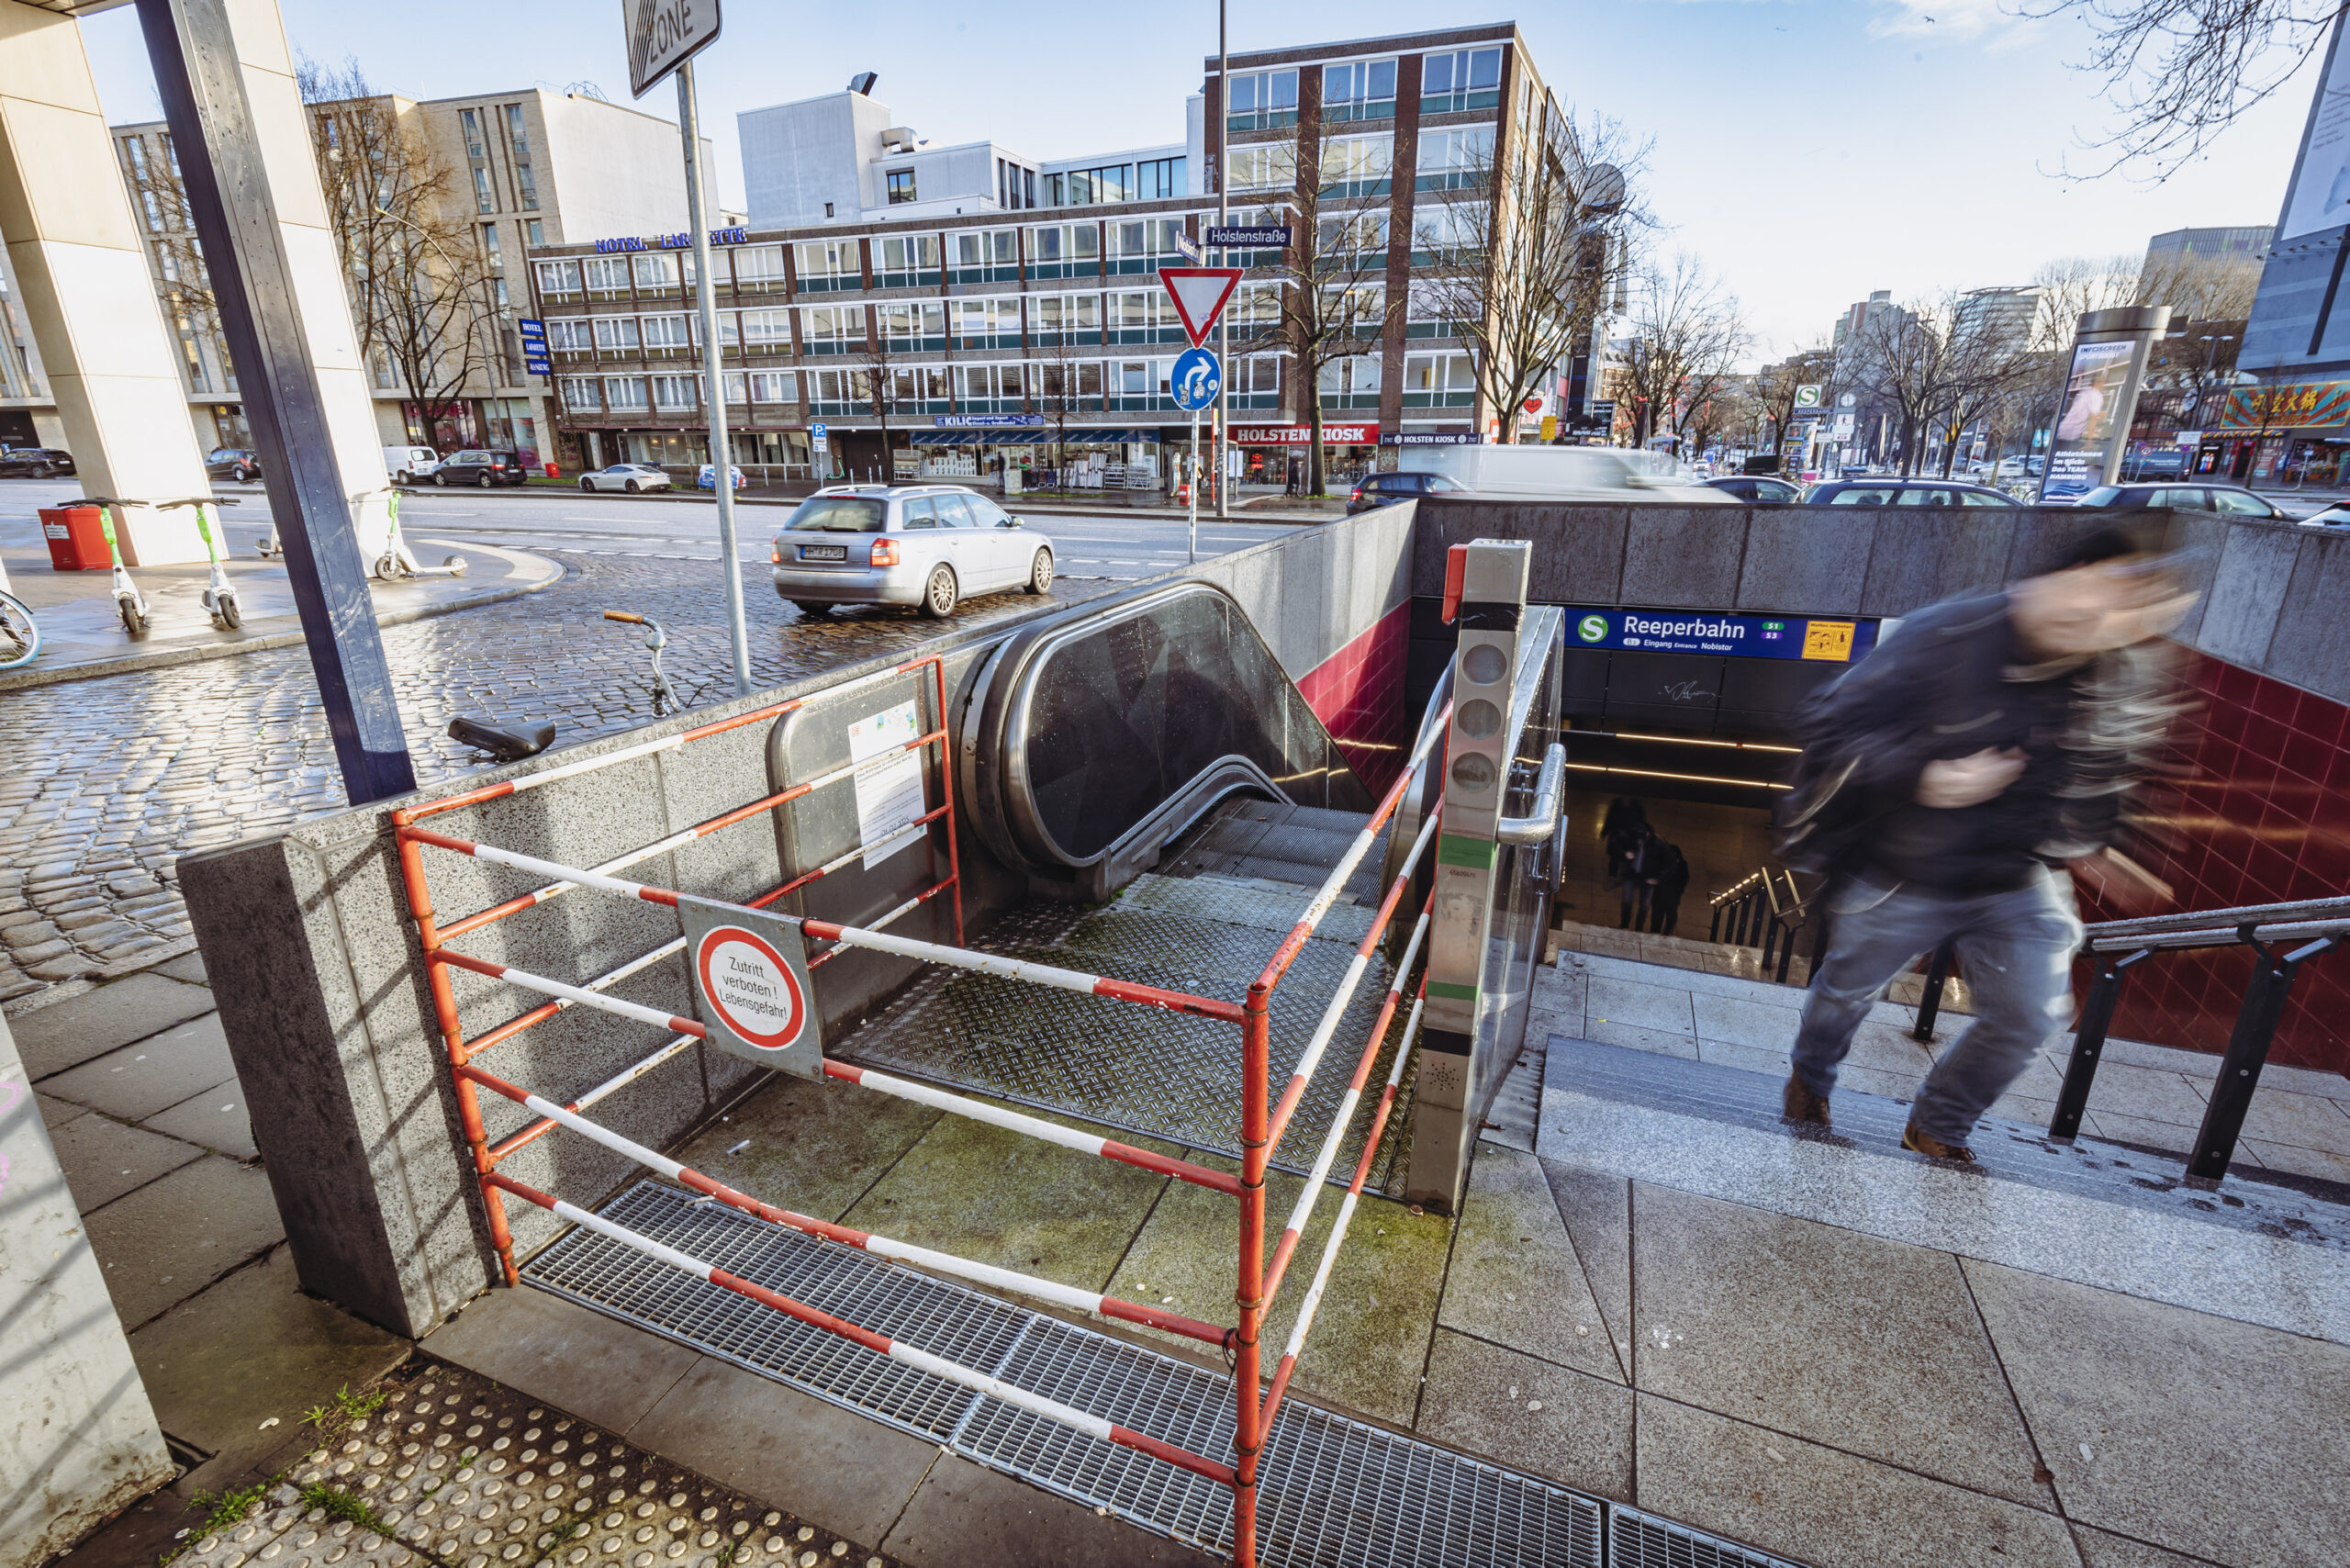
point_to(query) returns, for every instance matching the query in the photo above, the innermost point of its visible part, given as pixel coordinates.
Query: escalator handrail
(1543, 819)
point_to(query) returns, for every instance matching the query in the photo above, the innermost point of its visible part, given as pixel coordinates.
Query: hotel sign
(681, 240)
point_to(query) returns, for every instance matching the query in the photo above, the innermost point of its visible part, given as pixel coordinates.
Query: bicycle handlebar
(625, 615)
(195, 502)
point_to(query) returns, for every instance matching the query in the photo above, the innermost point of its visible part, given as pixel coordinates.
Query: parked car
(410, 464)
(35, 462)
(2230, 500)
(629, 476)
(2335, 516)
(1759, 488)
(2144, 468)
(1911, 492)
(708, 478)
(1569, 473)
(927, 546)
(239, 463)
(1387, 489)
(477, 466)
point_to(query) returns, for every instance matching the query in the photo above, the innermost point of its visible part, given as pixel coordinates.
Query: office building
(504, 172)
(1002, 315)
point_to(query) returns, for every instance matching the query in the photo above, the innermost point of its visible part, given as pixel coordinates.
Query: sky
(1809, 150)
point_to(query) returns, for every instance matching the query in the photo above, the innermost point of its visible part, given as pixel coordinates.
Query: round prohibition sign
(750, 987)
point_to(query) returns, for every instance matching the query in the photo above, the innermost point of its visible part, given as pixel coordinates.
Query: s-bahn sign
(1827, 639)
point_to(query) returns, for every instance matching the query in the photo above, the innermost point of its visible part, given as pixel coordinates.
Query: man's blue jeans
(2016, 950)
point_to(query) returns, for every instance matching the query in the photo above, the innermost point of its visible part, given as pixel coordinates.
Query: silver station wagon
(927, 546)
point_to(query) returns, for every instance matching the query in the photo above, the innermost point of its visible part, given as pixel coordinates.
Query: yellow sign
(1549, 427)
(1829, 640)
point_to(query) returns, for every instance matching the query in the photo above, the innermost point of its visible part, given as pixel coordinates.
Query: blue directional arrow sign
(1195, 380)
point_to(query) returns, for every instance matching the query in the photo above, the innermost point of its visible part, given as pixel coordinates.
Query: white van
(410, 464)
(1569, 473)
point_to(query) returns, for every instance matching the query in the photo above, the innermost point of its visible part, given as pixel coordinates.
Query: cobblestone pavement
(105, 784)
(454, 1472)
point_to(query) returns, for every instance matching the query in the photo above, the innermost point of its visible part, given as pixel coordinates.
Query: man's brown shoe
(1800, 1104)
(1916, 1140)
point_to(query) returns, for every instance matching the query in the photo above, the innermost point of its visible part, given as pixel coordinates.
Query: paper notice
(890, 792)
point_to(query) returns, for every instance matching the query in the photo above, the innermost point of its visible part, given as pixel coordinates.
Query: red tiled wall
(1358, 693)
(2254, 808)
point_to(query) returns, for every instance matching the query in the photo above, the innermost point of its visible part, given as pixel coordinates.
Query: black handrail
(1756, 917)
(2114, 947)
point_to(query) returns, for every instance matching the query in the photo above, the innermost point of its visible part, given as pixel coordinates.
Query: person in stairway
(1673, 881)
(1947, 782)
(1643, 864)
(1626, 820)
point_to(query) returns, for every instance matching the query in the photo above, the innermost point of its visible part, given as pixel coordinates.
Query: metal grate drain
(1332, 1492)
(1636, 1539)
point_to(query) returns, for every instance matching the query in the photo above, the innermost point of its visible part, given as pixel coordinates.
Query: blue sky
(1811, 150)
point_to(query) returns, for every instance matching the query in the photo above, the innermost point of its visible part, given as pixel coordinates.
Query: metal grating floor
(1140, 1069)
(1636, 1539)
(1333, 1493)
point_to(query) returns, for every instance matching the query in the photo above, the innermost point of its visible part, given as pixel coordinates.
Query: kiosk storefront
(1275, 454)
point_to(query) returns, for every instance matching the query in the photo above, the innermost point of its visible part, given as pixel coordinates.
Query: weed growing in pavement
(348, 1408)
(341, 1504)
(219, 1510)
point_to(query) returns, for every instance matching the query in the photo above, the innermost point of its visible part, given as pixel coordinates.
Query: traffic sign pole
(1223, 217)
(722, 459)
(1192, 457)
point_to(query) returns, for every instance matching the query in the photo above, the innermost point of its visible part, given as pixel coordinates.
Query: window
(1356, 165)
(1270, 165)
(906, 261)
(616, 332)
(1256, 382)
(1447, 230)
(909, 323)
(767, 329)
(1449, 159)
(673, 394)
(1262, 100)
(902, 185)
(1438, 380)
(483, 201)
(516, 133)
(1064, 251)
(656, 269)
(534, 231)
(1158, 178)
(668, 333)
(773, 386)
(153, 210)
(1353, 233)
(1145, 316)
(528, 183)
(759, 267)
(827, 265)
(1255, 310)
(135, 149)
(625, 393)
(581, 394)
(1469, 79)
(471, 120)
(1075, 314)
(498, 291)
(987, 324)
(831, 329)
(1028, 187)
(1424, 307)
(491, 250)
(1348, 383)
(570, 335)
(1363, 90)
(1361, 307)
(605, 275)
(1111, 181)
(986, 255)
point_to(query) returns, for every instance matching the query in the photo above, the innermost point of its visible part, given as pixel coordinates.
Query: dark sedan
(1387, 489)
(239, 462)
(35, 462)
(2228, 501)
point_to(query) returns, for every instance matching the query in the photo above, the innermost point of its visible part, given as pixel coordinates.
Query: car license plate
(823, 551)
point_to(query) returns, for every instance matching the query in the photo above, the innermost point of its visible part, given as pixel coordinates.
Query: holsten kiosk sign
(750, 974)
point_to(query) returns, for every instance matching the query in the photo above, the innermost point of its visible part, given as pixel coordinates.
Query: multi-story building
(27, 413)
(1001, 314)
(515, 170)
(2248, 242)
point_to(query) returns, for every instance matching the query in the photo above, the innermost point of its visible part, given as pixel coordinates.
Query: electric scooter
(665, 696)
(219, 593)
(127, 600)
(398, 561)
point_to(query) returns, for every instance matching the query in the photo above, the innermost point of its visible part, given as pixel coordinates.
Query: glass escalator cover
(1122, 720)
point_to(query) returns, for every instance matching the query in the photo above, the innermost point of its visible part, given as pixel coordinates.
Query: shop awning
(1079, 435)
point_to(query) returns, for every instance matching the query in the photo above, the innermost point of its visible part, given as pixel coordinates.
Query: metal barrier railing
(1752, 914)
(1261, 1125)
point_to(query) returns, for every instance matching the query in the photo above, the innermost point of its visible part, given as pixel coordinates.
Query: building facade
(512, 170)
(1012, 322)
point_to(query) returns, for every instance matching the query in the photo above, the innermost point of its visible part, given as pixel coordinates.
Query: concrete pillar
(78, 1440)
(266, 66)
(110, 357)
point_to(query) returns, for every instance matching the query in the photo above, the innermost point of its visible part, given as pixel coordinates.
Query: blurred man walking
(1948, 780)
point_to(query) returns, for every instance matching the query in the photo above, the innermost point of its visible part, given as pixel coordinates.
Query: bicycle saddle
(507, 743)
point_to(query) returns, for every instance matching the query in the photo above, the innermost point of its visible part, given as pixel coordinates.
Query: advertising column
(2100, 400)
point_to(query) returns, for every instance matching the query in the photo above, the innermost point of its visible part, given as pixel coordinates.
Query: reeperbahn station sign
(681, 240)
(1829, 640)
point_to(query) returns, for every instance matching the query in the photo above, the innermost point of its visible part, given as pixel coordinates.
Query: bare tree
(1525, 248)
(1687, 337)
(2070, 287)
(1984, 367)
(1059, 391)
(1776, 386)
(2178, 73)
(1334, 302)
(880, 390)
(418, 286)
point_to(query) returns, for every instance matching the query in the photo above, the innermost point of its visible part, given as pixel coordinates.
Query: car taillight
(885, 552)
(774, 557)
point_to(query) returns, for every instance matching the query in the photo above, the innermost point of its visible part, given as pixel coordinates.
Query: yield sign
(1200, 295)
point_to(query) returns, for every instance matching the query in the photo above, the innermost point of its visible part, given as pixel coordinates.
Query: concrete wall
(2273, 600)
(314, 957)
(606, 170)
(797, 157)
(78, 1439)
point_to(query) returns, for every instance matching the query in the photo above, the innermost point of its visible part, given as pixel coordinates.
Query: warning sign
(1829, 640)
(750, 978)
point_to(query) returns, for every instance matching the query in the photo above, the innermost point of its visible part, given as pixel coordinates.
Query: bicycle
(19, 632)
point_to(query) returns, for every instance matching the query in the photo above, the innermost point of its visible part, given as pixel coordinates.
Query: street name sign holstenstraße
(1200, 296)
(1249, 236)
(663, 35)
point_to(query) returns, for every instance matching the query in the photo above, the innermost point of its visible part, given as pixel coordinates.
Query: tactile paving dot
(452, 1472)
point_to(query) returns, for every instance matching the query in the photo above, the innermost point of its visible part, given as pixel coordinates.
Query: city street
(104, 783)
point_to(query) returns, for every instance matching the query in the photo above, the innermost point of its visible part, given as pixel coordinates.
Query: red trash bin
(77, 539)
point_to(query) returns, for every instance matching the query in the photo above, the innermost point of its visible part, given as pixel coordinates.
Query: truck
(1569, 473)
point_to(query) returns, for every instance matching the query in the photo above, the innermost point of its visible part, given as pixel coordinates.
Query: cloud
(1994, 21)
